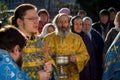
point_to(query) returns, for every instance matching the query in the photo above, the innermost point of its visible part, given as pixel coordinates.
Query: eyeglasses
(33, 19)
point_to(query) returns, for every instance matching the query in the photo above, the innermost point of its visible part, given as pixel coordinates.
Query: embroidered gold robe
(73, 43)
(33, 59)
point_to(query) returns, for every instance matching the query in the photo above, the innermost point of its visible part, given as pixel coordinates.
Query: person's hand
(73, 57)
(48, 67)
(44, 75)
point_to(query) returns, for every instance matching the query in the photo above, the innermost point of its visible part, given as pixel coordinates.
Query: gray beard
(64, 33)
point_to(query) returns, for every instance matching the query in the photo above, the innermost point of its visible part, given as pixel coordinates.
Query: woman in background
(48, 28)
(90, 70)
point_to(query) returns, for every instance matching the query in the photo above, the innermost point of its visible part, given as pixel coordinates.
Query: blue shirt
(9, 70)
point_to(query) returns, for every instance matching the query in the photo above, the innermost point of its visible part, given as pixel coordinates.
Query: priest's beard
(63, 31)
(19, 61)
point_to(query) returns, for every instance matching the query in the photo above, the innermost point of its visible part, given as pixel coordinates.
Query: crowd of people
(31, 43)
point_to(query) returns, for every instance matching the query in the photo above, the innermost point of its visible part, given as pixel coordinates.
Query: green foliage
(3, 14)
(3, 8)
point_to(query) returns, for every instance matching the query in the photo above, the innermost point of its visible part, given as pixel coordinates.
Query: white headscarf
(44, 30)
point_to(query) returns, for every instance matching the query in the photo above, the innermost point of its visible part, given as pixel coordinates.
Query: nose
(36, 20)
(63, 23)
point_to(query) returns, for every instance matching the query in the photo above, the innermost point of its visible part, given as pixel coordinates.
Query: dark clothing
(90, 70)
(102, 28)
(98, 45)
(112, 24)
(109, 39)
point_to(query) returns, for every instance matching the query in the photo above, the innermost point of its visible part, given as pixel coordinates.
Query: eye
(33, 19)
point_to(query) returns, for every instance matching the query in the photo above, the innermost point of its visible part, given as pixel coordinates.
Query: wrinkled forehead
(62, 16)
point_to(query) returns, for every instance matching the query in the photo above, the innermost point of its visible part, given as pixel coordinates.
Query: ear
(15, 53)
(19, 22)
(16, 49)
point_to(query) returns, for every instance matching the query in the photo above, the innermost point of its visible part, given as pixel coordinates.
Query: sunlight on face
(50, 29)
(63, 23)
(86, 26)
(78, 25)
(31, 21)
(43, 17)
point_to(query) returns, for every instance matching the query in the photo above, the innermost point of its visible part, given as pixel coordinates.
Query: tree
(3, 14)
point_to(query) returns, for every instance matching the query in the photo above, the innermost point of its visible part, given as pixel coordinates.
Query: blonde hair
(117, 19)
